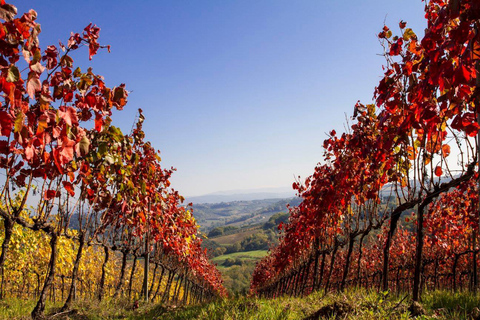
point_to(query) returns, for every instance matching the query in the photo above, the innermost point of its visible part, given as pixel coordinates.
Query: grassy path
(359, 304)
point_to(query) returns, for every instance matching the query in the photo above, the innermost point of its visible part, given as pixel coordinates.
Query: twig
(63, 313)
(398, 304)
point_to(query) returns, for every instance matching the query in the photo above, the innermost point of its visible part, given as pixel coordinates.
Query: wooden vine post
(147, 258)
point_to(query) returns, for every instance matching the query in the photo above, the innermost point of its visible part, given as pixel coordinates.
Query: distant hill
(239, 213)
(243, 195)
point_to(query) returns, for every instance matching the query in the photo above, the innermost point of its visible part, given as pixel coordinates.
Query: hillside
(236, 250)
(239, 213)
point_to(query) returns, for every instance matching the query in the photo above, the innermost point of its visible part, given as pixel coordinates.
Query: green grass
(357, 304)
(247, 255)
(361, 304)
(458, 305)
(20, 309)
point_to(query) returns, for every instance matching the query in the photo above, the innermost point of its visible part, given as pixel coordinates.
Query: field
(248, 255)
(235, 237)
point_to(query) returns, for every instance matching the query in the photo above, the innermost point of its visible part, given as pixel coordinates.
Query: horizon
(245, 191)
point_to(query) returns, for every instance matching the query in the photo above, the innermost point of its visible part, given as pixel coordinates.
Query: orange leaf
(438, 171)
(445, 150)
(476, 50)
(69, 187)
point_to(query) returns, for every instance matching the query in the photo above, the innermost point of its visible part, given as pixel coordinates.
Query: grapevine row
(65, 165)
(412, 157)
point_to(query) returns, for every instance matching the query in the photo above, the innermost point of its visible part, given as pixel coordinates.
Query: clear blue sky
(237, 94)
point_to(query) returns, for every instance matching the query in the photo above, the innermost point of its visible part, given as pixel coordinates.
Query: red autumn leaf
(67, 149)
(51, 57)
(98, 122)
(33, 84)
(69, 187)
(56, 159)
(91, 100)
(472, 129)
(438, 171)
(396, 47)
(408, 67)
(4, 149)
(50, 194)
(91, 35)
(56, 132)
(69, 114)
(6, 123)
(464, 74)
(67, 95)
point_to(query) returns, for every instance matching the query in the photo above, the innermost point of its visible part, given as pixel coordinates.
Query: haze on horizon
(237, 95)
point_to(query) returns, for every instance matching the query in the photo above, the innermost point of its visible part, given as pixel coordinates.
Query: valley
(238, 234)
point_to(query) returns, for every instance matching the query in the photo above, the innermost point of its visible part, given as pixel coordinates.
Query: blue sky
(237, 94)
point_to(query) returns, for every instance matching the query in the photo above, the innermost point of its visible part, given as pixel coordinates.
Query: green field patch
(248, 255)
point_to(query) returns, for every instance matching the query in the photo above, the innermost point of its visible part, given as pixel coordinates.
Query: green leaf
(37, 56)
(19, 120)
(417, 144)
(116, 133)
(409, 34)
(77, 73)
(84, 145)
(85, 82)
(13, 74)
(102, 148)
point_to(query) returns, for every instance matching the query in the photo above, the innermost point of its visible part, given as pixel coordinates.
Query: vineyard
(411, 155)
(82, 204)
